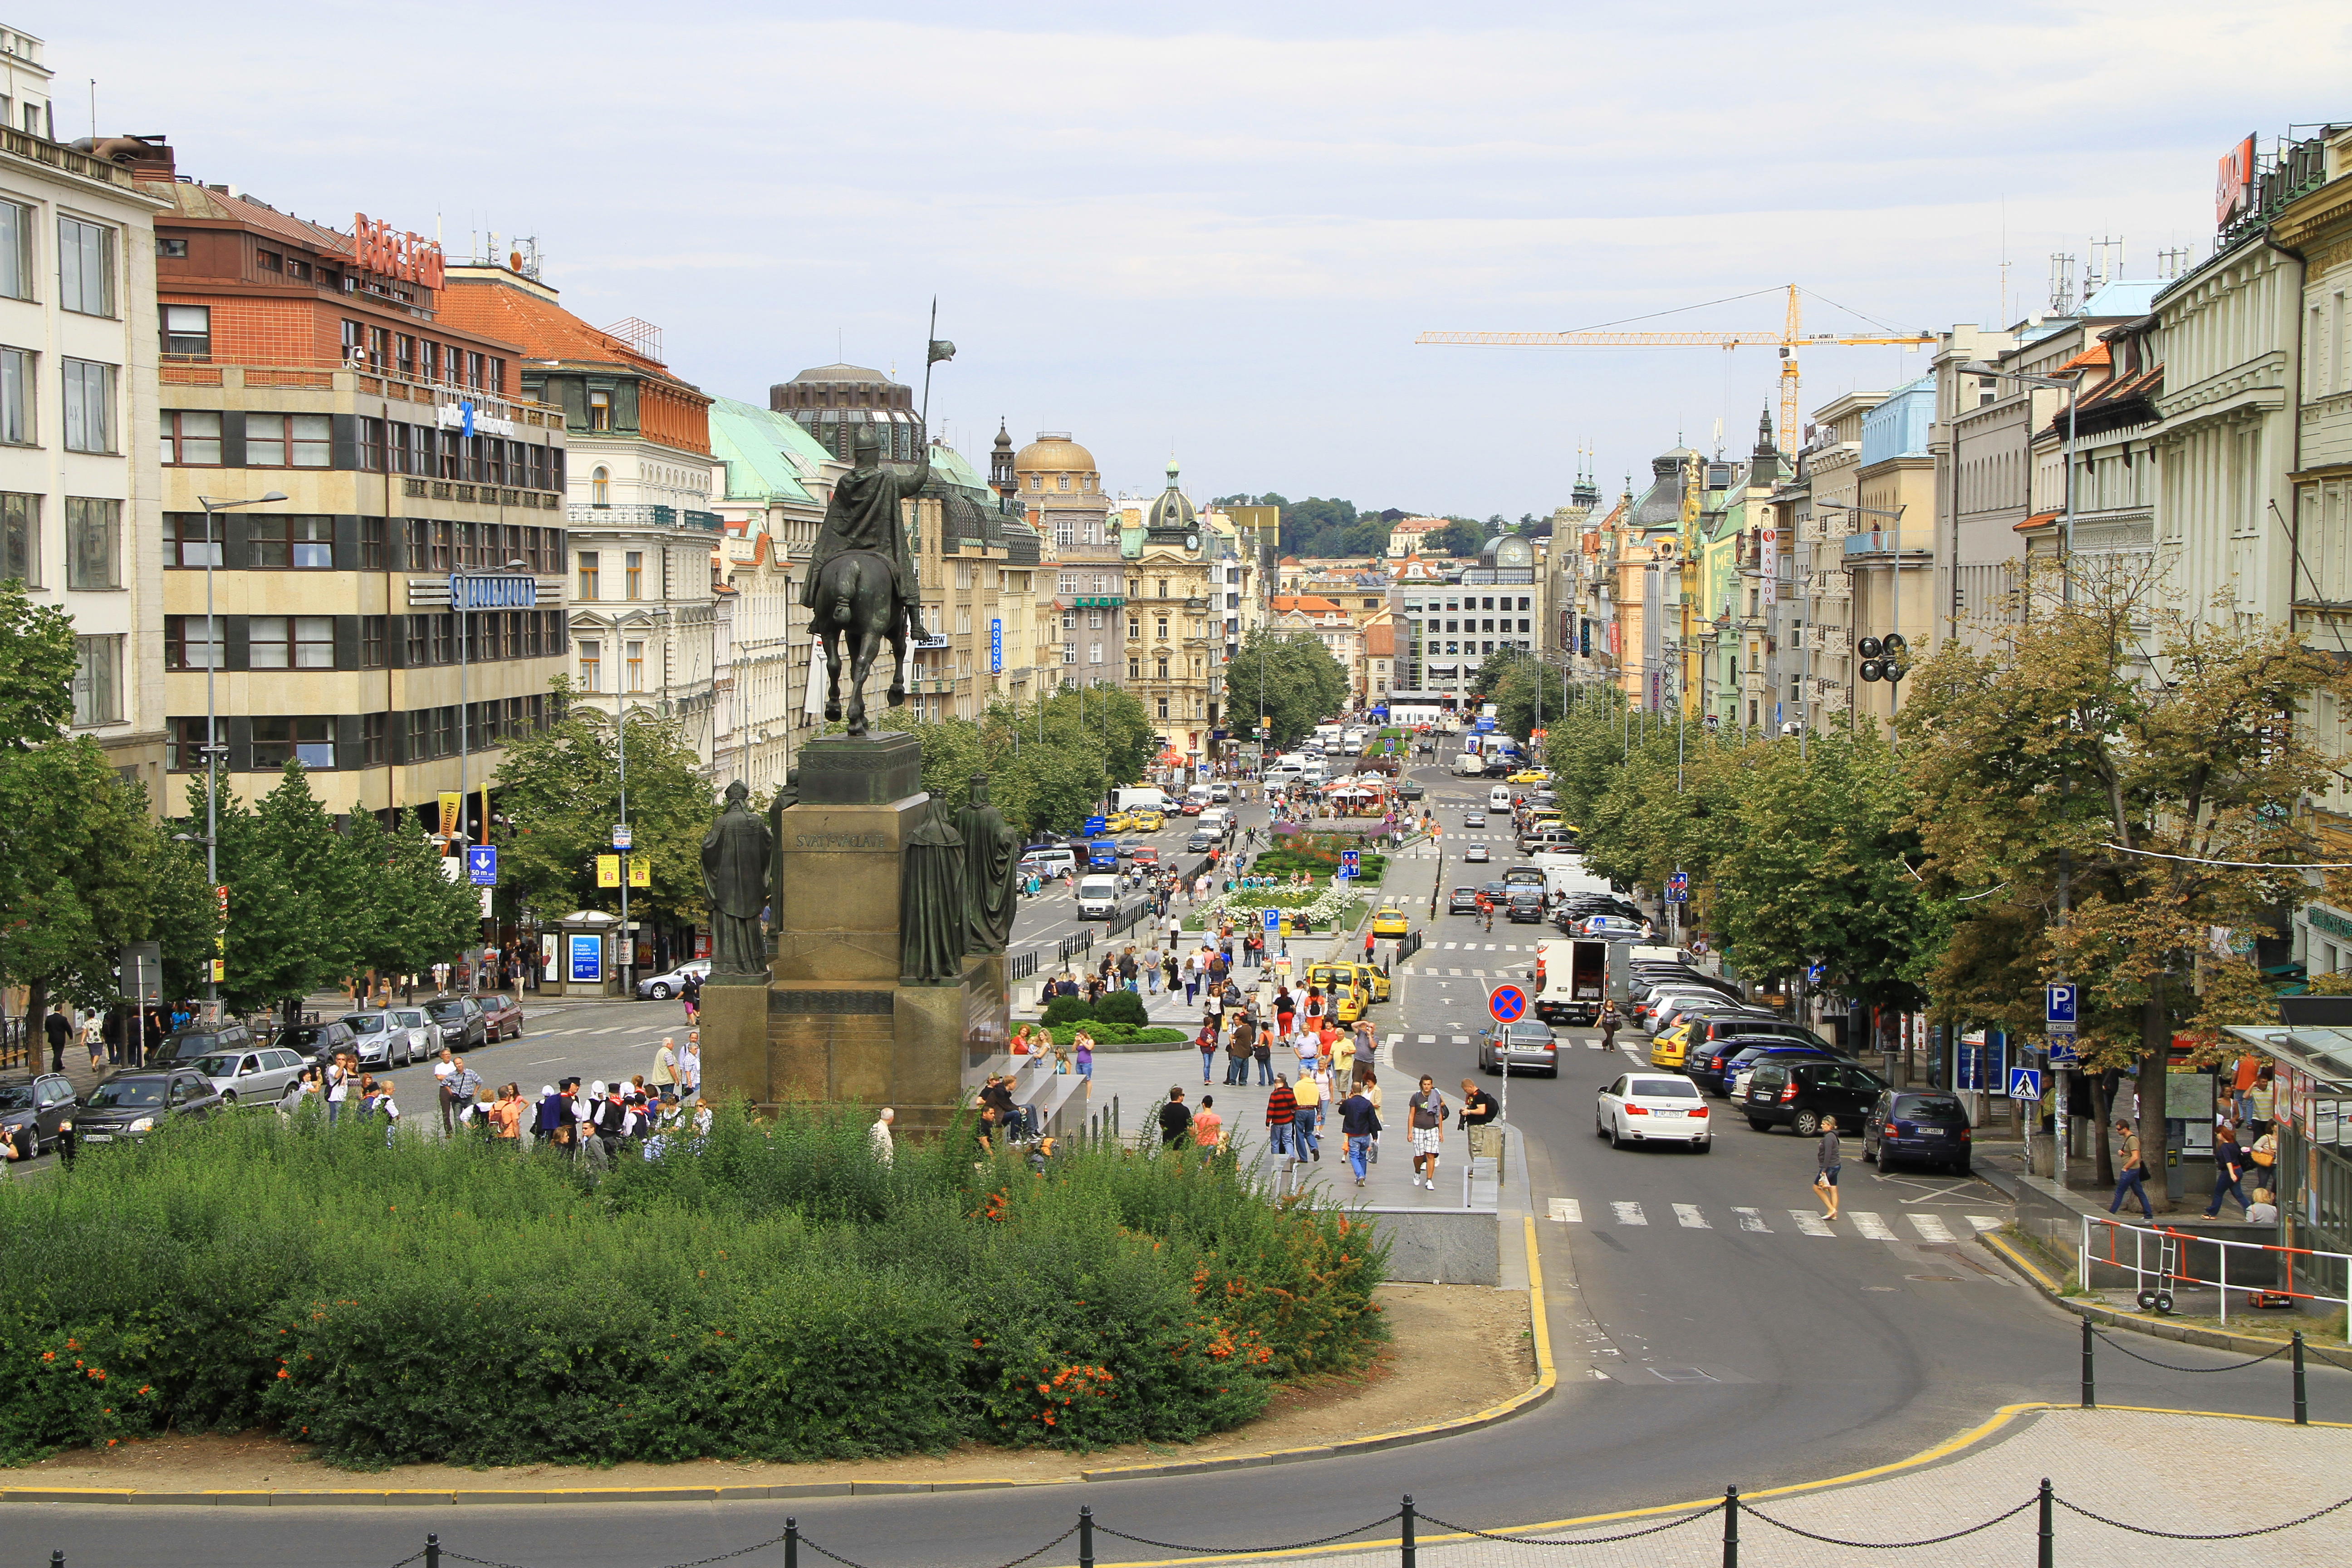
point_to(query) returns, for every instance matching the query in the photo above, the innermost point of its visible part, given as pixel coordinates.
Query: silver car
(260, 1077)
(394, 1036)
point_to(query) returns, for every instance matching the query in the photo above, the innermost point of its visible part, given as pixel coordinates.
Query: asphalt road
(1694, 1350)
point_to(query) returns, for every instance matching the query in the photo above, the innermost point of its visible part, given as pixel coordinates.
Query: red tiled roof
(2039, 519)
(1380, 640)
(544, 328)
(2090, 358)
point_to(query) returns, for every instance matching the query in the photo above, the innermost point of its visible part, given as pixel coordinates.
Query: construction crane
(1789, 340)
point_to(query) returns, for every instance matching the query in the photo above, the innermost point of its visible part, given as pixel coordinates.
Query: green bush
(767, 1292)
(1120, 1034)
(1122, 1007)
(1068, 1010)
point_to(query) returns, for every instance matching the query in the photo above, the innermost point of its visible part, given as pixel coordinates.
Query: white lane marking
(1628, 1213)
(1428, 1039)
(1931, 1226)
(1461, 1039)
(1690, 1219)
(1567, 1211)
(1394, 1040)
(1987, 1223)
(1871, 1227)
(1753, 1219)
(1455, 972)
(1811, 1223)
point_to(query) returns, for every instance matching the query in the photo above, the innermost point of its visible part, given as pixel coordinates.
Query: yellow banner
(220, 970)
(608, 870)
(641, 872)
(453, 806)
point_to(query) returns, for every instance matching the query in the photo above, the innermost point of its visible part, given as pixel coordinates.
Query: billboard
(2233, 183)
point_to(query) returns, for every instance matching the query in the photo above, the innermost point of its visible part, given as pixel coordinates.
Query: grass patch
(770, 1293)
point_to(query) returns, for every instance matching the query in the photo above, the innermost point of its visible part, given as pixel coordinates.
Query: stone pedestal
(834, 1025)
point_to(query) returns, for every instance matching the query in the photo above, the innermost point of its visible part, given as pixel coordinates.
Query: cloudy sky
(1213, 229)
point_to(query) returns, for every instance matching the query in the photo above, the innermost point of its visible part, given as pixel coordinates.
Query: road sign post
(2026, 1083)
(2058, 1010)
(1678, 887)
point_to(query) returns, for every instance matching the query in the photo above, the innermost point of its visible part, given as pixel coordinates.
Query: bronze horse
(857, 605)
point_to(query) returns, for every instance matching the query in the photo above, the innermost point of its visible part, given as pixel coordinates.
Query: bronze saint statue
(992, 851)
(736, 854)
(931, 904)
(861, 582)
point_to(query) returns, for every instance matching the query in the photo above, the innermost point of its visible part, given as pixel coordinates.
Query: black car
(322, 1042)
(463, 1028)
(1796, 1093)
(128, 1107)
(1201, 841)
(1926, 1126)
(42, 1106)
(1461, 901)
(199, 1040)
(1527, 906)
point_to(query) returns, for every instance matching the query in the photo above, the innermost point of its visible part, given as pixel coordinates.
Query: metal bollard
(2049, 1557)
(432, 1551)
(1731, 1527)
(1085, 1536)
(1405, 1542)
(2302, 1404)
(57, 1560)
(2090, 1381)
(792, 1542)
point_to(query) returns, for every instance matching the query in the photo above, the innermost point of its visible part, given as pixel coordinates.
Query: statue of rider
(865, 515)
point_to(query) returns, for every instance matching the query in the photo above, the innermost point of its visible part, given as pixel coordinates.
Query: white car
(662, 987)
(1653, 1108)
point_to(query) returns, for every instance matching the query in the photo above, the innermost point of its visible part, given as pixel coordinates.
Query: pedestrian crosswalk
(1914, 1226)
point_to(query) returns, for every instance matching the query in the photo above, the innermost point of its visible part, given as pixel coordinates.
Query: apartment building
(301, 359)
(1175, 652)
(80, 503)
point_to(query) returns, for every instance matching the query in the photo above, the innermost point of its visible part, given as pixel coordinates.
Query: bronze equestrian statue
(861, 583)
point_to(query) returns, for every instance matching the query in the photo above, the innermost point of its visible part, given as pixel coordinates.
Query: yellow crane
(1789, 340)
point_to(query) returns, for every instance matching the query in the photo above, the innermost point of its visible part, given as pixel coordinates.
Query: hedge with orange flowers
(769, 1292)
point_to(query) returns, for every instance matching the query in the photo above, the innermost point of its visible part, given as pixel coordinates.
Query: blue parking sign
(1273, 921)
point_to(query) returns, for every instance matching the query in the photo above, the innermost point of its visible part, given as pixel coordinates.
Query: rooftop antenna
(2062, 283)
(93, 108)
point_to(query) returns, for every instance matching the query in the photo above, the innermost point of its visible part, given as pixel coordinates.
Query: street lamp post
(212, 546)
(465, 620)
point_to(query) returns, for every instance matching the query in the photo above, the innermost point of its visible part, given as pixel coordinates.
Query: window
(600, 488)
(373, 753)
(301, 544)
(1164, 628)
(191, 642)
(1036, 481)
(1069, 653)
(177, 249)
(20, 538)
(16, 383)
(97, 681)
(85, 267)
(600, 416)
(183, 744)
(1065, 481)
(188, 330)
(1094, 653)
(371, 637)
(93, 542)
(1135, 669)
(89, 406)
(636, 666)
(291, 642)
(187, 542)
(1163, 666)
(1164, 708)
(15, 252)
(633, 574)
(278, 741)
(587, 573)
(286, 440)
(591, 675)
(190, 437)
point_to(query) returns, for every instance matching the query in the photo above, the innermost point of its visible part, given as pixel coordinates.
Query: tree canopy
(1295, 677)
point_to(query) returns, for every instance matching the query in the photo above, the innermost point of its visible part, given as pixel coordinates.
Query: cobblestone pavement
(2123, 1464)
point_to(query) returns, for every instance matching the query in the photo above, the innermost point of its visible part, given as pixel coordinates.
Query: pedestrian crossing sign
(2026, 1083)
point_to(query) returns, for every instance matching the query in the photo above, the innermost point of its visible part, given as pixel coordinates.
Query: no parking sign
(1506, 1003)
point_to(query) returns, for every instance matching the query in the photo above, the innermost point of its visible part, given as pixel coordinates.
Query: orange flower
(283, 1372)
(52, 1355)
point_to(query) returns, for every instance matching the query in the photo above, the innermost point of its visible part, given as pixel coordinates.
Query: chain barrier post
(792, 1542)
(432, 1551)
(2090, 1378)
(1731, 1527)
(57, 1560)
(2302, 1404)
(1406, 1541)
(1085, 1535)
(2049, 1540)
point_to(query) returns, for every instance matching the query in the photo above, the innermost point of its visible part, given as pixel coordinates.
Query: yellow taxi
(1149, 822)
(1362, 978)
(1529, 776)
(1347, 999)
(1120, 822)
(1390, 921)
(1668, 1051)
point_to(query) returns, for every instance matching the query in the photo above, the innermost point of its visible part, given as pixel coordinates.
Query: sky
(1212, 231)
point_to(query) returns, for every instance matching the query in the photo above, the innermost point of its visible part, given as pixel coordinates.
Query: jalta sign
(410, 257)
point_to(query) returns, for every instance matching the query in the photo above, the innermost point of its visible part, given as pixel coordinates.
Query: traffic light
(1882, 657)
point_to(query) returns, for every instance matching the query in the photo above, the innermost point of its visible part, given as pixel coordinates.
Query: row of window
(1488, 624)
(421, 358)
(215, 438)
(85, 260)
(1085, 483)
(88, 390)
(359, 642)
(329, 742)
(631, 674)
(93, 541)
(1135, 669)
(590, 583)
(1450, 606)
(255, 541)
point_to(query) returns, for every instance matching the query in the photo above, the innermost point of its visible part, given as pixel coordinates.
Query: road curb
(2138, 1322)
(1546, 1380)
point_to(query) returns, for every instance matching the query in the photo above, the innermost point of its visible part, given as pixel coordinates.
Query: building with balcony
(298, 358)
(642, 614)
(1175, 644)
(79, 497)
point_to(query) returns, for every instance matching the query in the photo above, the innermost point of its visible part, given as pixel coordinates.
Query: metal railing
(1074, 946)
(640, 515)
(1021, 966)
(2160, 1260)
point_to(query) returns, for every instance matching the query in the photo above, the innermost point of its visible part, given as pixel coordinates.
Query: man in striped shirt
(1281, 1112)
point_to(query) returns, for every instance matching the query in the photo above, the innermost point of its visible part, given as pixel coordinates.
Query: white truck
(1469, 765)
(1571, 977)
(1142, 797)
(1097, 897)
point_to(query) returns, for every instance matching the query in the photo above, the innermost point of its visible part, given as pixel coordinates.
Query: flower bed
(768, 1292)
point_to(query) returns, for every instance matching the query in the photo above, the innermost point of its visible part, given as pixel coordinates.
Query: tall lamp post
(213, 544)
(462, 590)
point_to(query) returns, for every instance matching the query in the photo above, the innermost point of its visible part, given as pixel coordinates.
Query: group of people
(1294, 1112)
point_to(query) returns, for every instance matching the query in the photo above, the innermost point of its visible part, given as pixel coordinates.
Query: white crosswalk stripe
(1872, 1227)
(1567, 1211)
(1931, 1226)
(1811, 1223)
(1986, 1222)
(1689, 1217)
(1428, 1039)
(1753, 1220)
(1395, 1039)
(1628, 1213)
(1452, 945)
(1454, 972)
(1461, 1039)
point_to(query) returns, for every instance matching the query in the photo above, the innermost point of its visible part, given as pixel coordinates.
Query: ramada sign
(410, 257)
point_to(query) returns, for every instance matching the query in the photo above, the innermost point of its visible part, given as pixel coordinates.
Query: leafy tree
(36, 668)
(73, 883)
(417, 916)
(290, 927)
(1302, 684)
(1460, 536)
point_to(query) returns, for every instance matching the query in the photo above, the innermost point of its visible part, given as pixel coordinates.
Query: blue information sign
(2062, 1051)
(587, 956)
(2058, 1008)
(1351, 863)
(1678, 887)
(2026, 1083)
(996, 647)
(482, 865)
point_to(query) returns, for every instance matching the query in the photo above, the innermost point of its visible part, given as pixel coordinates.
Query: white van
(1469, 765)
(1097, 897)
(1140, 797)
(1216, 818)
(1499, 798)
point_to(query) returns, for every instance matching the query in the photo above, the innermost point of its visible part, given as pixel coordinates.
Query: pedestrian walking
(1425, 1113)
(1206, 1042)
(1208, 1127)
(2229, 1167)
(442, 1069)
(690, 992)
(1827, 1159)
(689, 1066)
(93, 1039)
(884, 1150)
(1262, 1051)
(1281, 1110)
(2130, 1176)
(1175, 1118)
(462, 1088)
(59, 1029)
(665, 1069)
(1359, 1122)
(1308, 1095)
(1610, 1019)
(1239, 1043)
